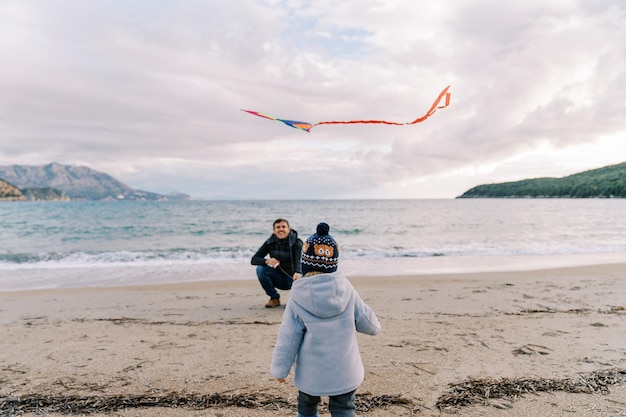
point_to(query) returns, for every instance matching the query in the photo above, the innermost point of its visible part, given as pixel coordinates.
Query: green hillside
(607, 182)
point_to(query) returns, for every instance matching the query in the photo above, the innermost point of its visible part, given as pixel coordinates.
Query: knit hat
(320, 252)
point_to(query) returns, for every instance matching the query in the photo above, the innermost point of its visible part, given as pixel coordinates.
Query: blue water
(219, 234)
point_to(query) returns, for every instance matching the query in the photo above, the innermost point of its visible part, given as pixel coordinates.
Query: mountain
(45, 194)
(607, 182)
(10, 193)
(77, 183)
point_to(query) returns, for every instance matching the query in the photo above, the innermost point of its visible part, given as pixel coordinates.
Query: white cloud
(150, 92)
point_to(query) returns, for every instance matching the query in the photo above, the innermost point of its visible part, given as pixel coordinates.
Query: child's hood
(324, 295)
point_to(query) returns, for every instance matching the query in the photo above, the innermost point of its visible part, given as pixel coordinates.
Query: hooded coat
(319, 334)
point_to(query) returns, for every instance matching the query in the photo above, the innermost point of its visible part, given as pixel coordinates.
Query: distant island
(607, 182)
(56, 182)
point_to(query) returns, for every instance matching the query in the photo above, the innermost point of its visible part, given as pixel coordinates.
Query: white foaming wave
(453, 251)
(229, 256)
(125, 258)
(129, 273)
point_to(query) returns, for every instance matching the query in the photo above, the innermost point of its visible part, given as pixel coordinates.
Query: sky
(150, 92)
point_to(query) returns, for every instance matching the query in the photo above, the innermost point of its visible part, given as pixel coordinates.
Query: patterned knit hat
(320, 252)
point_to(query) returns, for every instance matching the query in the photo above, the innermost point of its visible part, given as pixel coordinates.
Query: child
(318, 331)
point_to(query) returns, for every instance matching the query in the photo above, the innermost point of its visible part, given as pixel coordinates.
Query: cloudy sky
(150, 92)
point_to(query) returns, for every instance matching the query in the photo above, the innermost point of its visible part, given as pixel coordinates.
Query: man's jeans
(338, 405)
(271, 279)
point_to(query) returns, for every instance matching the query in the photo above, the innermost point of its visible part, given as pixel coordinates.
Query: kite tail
(436, 105)
(351, 122)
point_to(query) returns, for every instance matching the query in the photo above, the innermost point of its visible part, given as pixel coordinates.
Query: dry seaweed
(367, 402)
(480, 391)
(611, 310)
(471, 392)
(75, 404)
(139, 321)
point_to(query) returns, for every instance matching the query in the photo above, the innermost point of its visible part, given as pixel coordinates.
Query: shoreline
(217, 337)
(14, 302)
(20, 279)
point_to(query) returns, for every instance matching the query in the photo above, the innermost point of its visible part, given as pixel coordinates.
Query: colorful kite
(308, 126)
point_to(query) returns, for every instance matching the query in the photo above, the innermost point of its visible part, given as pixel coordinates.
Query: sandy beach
(203, 348)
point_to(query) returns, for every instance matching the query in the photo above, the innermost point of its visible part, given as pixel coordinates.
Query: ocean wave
(224, 256)
(109, 259)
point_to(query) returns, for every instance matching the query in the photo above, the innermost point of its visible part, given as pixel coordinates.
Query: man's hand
(273, 262)
(297, 276)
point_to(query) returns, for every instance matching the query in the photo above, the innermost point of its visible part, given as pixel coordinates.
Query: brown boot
(273, 303)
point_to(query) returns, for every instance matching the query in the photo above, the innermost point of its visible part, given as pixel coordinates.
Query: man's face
(281, 230)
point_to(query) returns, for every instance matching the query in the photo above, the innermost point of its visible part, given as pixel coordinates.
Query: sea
(126, 243)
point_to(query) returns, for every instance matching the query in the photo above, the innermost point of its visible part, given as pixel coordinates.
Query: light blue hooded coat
(318, 334)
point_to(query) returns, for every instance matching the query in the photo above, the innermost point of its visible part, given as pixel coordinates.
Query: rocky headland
(57, 182)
